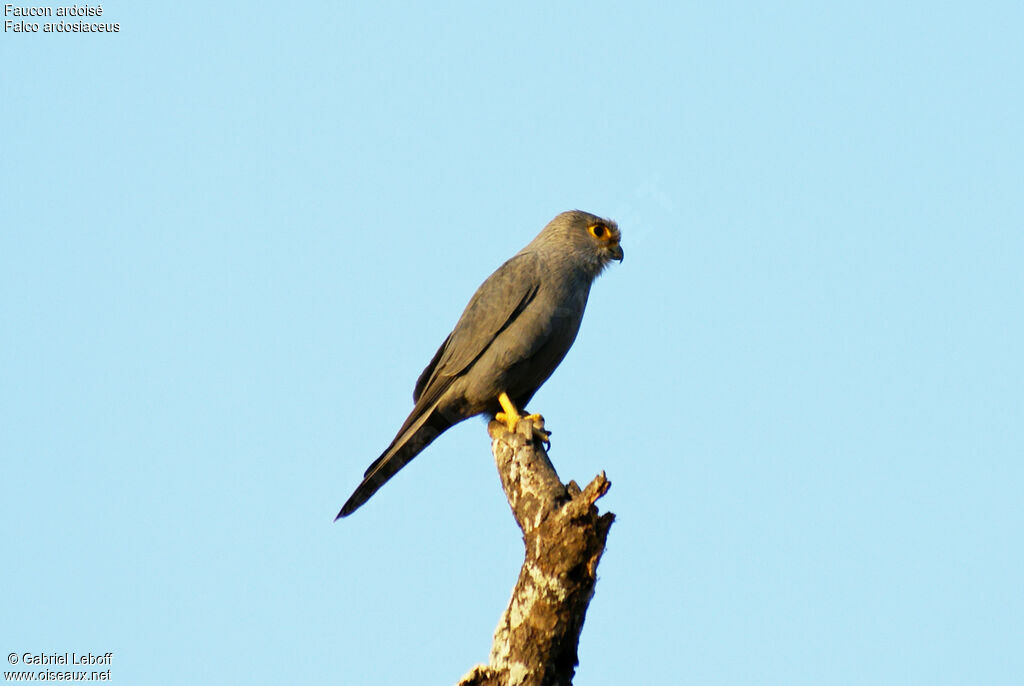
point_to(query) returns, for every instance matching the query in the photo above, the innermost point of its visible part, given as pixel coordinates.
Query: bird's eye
(599, 231)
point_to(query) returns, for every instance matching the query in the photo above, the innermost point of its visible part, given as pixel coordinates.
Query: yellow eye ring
(598, 231)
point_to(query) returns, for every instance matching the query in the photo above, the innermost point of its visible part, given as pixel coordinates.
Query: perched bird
(516, 329)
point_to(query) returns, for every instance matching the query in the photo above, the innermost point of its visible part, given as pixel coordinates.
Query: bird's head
(591, 242)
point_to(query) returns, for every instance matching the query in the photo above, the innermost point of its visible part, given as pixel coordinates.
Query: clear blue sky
(234, 234)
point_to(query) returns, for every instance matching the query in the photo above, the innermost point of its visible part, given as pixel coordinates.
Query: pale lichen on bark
(538, 634)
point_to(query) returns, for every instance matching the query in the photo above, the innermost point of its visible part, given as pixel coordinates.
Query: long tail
(414, 436)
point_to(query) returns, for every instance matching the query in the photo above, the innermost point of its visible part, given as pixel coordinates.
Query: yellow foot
(510, 417)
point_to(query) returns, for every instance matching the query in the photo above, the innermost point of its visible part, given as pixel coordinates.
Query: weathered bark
(536, 639)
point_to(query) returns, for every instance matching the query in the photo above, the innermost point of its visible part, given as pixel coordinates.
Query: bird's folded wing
(495, 305)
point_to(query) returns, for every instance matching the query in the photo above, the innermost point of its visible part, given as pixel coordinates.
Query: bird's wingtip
(350, 506)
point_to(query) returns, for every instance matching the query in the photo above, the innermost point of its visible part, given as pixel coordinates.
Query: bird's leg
(510, 417)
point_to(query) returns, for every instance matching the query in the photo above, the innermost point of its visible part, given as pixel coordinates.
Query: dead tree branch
(537, 637)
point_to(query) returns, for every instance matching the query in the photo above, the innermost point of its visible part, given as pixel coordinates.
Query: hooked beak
(616, 252)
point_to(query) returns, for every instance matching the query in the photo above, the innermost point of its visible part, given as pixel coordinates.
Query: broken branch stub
(537, 637)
